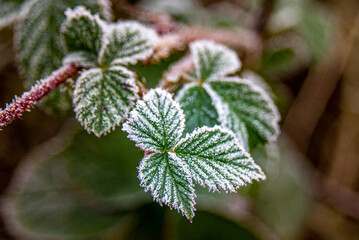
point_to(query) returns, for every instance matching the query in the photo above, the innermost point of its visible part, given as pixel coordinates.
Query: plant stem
(37, 92)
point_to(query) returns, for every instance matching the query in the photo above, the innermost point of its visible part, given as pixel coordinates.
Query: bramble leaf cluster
(209, 156)
(105, 92)
(234, 103)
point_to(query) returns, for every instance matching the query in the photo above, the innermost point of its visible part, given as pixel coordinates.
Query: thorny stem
(30, 98)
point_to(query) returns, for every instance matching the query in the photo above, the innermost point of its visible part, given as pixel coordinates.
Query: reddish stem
(30, 98)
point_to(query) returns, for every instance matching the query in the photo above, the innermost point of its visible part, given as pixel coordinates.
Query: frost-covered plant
(203, 136)
(211, 157)
(106, 92)
(235, 103)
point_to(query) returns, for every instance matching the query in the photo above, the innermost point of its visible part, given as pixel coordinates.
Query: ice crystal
(238, 104)
(216, 159)
(156, 123)
(82, 31)
(127, 42)
(210, 156)
(104, 95)
(213, 60)
(10, 11)
(38, 37)
(103, 98)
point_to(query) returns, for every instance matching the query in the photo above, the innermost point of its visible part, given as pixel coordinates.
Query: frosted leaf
(250, 104)
(197, 107)
(216, 159)
(10, 11)
(238, 127)
(83, 32)
(127, 42)
(80, 58)
(41, 47)
(103, 98)
(156, 123)
(211, 156)
(168, 179)
(213, 60)
(227, 118)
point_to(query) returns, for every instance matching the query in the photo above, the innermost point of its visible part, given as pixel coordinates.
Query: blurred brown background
(317, 94)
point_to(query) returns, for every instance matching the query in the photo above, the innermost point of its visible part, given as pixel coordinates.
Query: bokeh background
(68, 184)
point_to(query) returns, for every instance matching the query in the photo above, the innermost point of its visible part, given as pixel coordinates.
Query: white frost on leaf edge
(147, 33)
(224, 108)
(166, 201)
(79, 59)
(140, 104)
(80, 12)
(183, 90)
(214, 47)
(12, 18)
(197, 131)
(131, 83)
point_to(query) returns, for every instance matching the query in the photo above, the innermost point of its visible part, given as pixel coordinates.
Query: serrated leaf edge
(12, 18)
(140, 104)
(131, 83)
(261, 175)
(165, 201)
(151, 35)
(237, 64)
(218, 102)
(184, 89)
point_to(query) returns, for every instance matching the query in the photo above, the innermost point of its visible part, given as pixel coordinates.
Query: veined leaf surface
(103, 98)
(210, 156)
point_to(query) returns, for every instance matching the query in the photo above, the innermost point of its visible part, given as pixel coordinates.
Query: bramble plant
(202, 133)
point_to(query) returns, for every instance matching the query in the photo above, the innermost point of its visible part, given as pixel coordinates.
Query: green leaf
(216, 160)
(41, 206)
(156, 123)
(249, 103)
(213, 60)
(127, 43)
(238, 127)
(211, 156)
(38, 37)
(83, 32)
(10, 11)
(103, 98)
(197, 107)
(166, 176)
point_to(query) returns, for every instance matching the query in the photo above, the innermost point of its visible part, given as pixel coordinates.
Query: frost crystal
(10, 11)
(211, 156)
(216, 159)
(38, 39)
(127, 42)
(82, 31)
(213, 60)
(197, 106)
(156, 123)
(237, 104)
(103, 98)
(168, 179)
